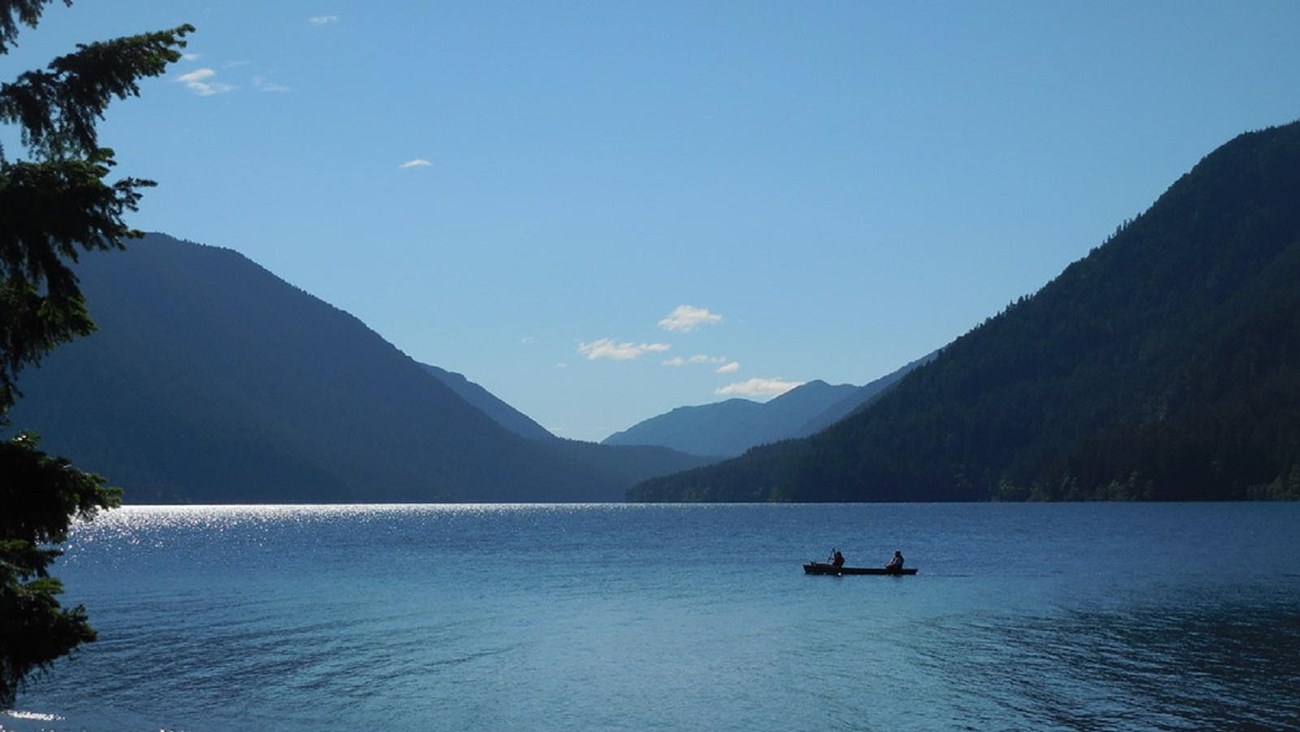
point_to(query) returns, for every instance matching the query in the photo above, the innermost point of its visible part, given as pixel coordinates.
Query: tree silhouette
(56, 201)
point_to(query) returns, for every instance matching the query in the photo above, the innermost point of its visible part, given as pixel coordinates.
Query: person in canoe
(836, 559)
(895, 564)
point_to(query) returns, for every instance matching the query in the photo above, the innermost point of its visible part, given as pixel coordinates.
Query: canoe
(824, 568)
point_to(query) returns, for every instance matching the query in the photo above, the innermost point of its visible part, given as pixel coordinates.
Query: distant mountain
(729, 428)
(1165, 365)
(211, 380)
(619, 464)
(486, 402)
(733, 426)
(857, 399)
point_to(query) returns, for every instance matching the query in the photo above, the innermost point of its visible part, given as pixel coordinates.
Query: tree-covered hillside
(1164, 365)
(859, 398)
(211, 380)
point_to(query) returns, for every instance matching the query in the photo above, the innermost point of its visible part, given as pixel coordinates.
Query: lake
(634, 617)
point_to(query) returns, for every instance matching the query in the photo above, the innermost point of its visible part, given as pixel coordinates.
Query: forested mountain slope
(1164, 365)
(212, 380)
(857, 399)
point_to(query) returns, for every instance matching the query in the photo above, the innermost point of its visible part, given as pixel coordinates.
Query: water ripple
(685, 617)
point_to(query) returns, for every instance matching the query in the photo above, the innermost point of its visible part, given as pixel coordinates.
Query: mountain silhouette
(211, 380)
(729, 428)
(1165, 365)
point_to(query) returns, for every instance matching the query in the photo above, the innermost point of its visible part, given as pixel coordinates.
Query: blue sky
(604, 210)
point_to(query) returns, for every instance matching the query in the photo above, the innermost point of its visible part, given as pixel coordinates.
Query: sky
(603, 210)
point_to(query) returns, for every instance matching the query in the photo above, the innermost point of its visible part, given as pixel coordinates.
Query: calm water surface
(618, 617)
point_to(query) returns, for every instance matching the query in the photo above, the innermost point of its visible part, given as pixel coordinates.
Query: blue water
(621, 617)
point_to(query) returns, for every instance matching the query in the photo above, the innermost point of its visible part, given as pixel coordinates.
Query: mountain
(693, 429)
(731, 427)
(619, 464)
(1165, 365)
(857, 399)
(211, 380)
(488, 403)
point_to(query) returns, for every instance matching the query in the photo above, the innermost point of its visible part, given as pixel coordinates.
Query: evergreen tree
(56, 201)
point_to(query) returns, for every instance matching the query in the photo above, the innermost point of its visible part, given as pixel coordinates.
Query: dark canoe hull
(823, 568)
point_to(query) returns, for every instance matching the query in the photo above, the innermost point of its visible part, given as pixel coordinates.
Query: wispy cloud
(416, 163)
(758, 388)
(529, 340)
(323, 19)
(728, 368)
(698, 358)
(608, 348)
(203, 82)
(686, 318)
(190, 56)
(261, 83)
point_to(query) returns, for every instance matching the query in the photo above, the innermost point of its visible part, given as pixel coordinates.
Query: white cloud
(529, 340)
(323, 19)
(416, 163)
(607, 348)
(687, 318)
(698, 358)
(729, 368)
(261, 84)
(203, 82)
(190, 56)
(758, 388)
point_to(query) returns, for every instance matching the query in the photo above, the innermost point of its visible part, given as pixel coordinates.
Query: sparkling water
(630, 617)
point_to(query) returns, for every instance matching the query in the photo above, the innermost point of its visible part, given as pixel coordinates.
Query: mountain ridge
(212, 380)
(488, 403)
(729, 428)
(1128, 348)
